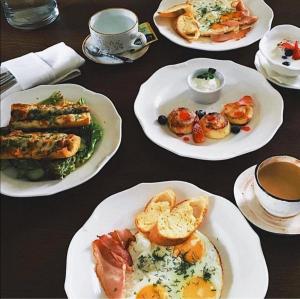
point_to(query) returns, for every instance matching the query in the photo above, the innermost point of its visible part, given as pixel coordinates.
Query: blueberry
(200, 113)
(288, 52)
(286, 63)
(284, 57)
(235, 129)
(162, 120)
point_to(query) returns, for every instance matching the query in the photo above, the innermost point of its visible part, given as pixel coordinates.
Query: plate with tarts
(102, 112)
(217, 25)
(167, 91)
(232, 246)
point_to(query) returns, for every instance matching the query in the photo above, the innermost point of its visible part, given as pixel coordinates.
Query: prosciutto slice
(112, 278)
(112, 261)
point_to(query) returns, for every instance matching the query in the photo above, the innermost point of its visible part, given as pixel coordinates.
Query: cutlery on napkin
(57, 63)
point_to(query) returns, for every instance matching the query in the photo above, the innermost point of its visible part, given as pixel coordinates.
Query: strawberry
(296, 52)
(198, 135)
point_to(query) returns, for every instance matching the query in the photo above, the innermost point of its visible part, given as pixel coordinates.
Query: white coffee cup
(275, 205)
(115, 30)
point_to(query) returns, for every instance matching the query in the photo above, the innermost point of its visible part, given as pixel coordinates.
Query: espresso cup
(276, 205)
(115, 30)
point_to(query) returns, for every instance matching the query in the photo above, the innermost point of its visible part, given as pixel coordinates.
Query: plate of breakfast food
(208, 109)
(174, 240)
(54, 138)
(213, 25)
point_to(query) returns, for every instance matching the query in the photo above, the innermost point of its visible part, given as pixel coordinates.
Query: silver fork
(7, 80)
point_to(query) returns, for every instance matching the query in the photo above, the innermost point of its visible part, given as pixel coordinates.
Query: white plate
(167, 89)
(257, 7)
(263, 67)
(255, 213)
(108, 60)
(105, 113)
(242, 258)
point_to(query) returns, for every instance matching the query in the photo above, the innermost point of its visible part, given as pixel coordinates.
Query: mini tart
(238, 114)
(181, 121)
(215, 125)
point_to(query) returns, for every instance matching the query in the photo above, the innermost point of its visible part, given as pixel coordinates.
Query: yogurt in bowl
(206, 85)
(282, 59)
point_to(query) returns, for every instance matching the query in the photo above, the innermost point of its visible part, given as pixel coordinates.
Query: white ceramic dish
(239, 247)
(263, 67)
(255, 213)
(108, 60)
(258, 8)
(268, 48)
(167, 89)
(104, 111)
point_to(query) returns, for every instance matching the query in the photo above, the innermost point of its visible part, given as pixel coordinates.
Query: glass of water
(30, 14)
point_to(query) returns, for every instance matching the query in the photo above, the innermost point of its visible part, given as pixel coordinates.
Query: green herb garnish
(209, 74)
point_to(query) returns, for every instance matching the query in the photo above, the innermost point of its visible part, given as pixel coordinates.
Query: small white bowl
(274, 205)
(268, 47)
(205, 97)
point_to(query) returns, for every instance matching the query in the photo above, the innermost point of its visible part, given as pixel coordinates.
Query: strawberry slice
(198, 135)
(286, 45)
(296, 52)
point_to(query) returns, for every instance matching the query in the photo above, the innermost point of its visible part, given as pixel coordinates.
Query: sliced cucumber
(35, 174)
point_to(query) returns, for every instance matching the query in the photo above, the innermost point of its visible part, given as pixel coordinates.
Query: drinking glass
(30, 14)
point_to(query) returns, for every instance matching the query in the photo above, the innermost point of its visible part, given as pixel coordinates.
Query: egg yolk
(191, 250)
(198, 288)
(152, 292)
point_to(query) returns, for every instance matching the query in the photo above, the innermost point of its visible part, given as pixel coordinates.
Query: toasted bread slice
(160, 203)
(187, 27)
(175, 227)
(176, 10)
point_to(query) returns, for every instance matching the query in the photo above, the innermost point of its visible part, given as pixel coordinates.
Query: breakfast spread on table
(167, 257)
(173, 251)
(233, 118)
(50, 139)
(220, 20)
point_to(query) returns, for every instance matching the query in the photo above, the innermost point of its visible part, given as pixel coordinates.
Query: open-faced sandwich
(166, 258)
(48, 140)
(220, 20)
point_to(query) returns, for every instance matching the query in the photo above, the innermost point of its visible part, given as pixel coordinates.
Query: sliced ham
(112, 261)
(231, 35)
(113, 252)
(124, 237)
(112, 278)
(248, 20)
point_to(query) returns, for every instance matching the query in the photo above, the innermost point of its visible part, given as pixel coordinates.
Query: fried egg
(191, 270)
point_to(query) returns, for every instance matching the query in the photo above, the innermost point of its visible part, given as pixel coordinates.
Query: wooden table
(36, 232)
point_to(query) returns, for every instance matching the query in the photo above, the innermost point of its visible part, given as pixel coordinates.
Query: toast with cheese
(37, 145)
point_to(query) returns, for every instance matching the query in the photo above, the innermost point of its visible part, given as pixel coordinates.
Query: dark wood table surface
(36, 232)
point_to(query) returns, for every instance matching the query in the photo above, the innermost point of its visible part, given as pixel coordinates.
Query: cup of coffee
(277, 185)
(115, 30)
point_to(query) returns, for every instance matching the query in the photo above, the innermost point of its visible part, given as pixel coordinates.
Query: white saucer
(255, 213)
(261, 65)
(108, 60)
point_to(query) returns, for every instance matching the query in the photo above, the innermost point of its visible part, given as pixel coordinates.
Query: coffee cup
(115, 30)
(277, 185)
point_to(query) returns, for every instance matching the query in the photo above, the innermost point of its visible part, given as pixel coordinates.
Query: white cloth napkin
(290, 81)
(55, 64)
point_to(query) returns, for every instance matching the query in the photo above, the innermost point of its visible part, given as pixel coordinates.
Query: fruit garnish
(235, 129)
(184, 115)
(200, 113)
(162, 120)
(198, 135)
(209, 74)
(296, 52)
